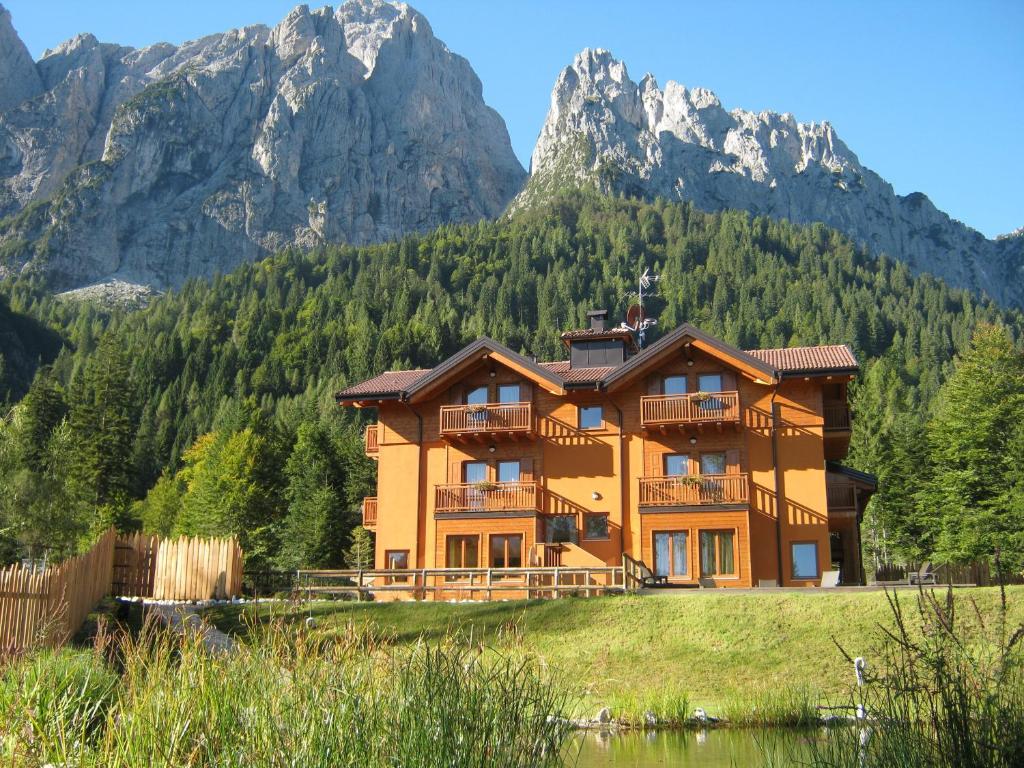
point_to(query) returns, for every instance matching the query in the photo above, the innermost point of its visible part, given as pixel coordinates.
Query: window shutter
(526, 470)
(455, 472)
(728, 381)
(526, 391)
(694, 463)
(492, 472)
(455, 395)
(653, 466)
(654, 385)
(732, 461)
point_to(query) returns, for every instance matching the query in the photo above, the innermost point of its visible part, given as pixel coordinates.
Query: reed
(285, 697)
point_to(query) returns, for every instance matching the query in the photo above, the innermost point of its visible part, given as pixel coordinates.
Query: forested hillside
(226, 384)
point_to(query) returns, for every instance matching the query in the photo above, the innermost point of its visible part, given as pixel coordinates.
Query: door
(670, 554)
(477, 397)
(674, 385)
(474, 475)
(509, 393)
(717, 553)
(710, 382)
(712, 488)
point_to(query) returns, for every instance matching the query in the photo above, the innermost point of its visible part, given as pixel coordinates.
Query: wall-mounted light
(693, 441)
(595, 496)
(492, 374)
(491, 448)
(689, 362)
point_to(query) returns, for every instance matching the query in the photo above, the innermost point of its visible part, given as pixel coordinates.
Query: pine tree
(360, 554)
(971, 447)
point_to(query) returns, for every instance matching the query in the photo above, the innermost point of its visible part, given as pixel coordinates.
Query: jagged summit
(152, 165)
(680, 143)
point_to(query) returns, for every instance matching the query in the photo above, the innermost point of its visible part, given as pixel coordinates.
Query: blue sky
(928, 94)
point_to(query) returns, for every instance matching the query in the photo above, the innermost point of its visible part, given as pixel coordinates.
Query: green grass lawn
(725, 652)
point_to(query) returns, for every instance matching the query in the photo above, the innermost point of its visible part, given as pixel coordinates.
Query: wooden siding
(693, 523)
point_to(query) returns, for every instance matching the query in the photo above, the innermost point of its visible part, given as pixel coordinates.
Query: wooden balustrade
(372, 439)
(837, 416)
(369, 512)
(486, 497)
(548, 555)
(496, 418)
(841, 495)
(685, 490)
(695, 408)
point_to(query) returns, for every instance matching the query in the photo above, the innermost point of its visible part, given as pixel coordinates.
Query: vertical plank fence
(197, 569)
(46, 607)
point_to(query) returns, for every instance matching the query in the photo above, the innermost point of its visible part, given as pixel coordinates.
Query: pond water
(716, 748)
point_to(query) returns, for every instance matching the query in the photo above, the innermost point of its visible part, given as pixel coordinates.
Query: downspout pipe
(421, 514)
(778, 482)
(622, 478)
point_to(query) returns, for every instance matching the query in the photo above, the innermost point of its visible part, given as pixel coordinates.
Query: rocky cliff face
(680, 144)
(154, 165)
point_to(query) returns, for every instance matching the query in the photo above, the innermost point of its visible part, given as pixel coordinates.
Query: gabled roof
(765, 365)
(670, 342)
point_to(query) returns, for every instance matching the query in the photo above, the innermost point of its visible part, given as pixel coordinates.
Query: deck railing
(547, 555)
(693, 489)
(837, 416)
(369, 512)
(492, 417)
(463, 583)
(695, 408)
(486, 497)
(372, 439)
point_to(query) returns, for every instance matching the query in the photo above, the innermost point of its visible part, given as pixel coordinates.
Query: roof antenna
(636, 321)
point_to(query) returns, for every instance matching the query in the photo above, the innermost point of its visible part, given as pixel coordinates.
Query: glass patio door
(670, 553)
(473, 474)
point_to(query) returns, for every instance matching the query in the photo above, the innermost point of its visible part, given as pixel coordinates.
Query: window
(709, 382)
(674, 385)
(474, 474)
(716, 553)
(591, 416)
(595, 526)
(676, 464)
(805, 560)
(712, 463)
(509, 393)
(508, 472)
(670, 553)
(463, 552)
(477, 396)
(560, 528)
(396, 560)
(507, 551)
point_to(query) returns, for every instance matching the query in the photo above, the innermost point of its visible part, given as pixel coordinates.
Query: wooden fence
(47, 606)
(979, 573)
(197, 569)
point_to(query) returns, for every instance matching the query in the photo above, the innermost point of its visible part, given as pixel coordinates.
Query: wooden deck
(687, 490)
(698, 409)
(486, 497)
(492, 420)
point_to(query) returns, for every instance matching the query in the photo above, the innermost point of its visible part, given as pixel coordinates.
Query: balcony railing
(696, 408)
(693, 489)
(372, 439)
(837, 416)
(370, 512)
(486, 497)
(492, 417)
(841, 496)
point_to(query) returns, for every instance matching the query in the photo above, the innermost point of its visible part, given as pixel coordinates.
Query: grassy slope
(711, 648)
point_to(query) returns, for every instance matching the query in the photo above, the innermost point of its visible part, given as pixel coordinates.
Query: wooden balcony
(492, 421)
(697, 409)
(370, 441)
(486, 497)
(370, 512)
(693, 490)
(837, 417)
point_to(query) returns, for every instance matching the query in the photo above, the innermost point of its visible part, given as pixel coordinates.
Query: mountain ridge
(635, 138)
(156, 164)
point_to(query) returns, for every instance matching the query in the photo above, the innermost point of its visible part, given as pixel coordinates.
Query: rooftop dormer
(598, 345)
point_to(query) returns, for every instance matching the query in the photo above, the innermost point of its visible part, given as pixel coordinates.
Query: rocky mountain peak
(153, 165)
(19, 79)
(680, 143)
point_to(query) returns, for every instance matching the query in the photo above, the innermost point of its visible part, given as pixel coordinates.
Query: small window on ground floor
(507, 550)
(560, 528)
(717, 553)
(595, 526)
(805, 560)
(395, 560)
(670, 556)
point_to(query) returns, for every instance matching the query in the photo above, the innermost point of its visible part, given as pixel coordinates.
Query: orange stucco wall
(599, 471)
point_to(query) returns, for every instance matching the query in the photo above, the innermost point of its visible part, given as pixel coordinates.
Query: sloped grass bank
(757, 659)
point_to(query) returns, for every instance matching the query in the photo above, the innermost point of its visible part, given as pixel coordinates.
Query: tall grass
(945, 687)
(285, 698)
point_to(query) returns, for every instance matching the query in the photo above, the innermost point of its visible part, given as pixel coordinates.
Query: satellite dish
(634, 316)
